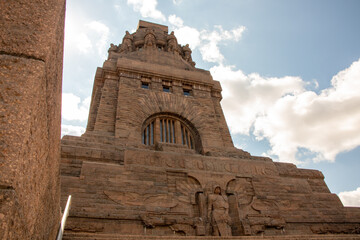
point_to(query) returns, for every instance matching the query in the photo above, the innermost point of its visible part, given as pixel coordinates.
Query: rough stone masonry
(31, 56)
(157, 157)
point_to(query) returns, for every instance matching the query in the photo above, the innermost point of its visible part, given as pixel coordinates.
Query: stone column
(31, 57)
(157, 131)
(178, 132)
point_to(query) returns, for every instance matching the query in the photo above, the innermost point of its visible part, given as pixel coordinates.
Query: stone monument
(157, 157)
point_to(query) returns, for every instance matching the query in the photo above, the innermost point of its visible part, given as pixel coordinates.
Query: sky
(290, 72)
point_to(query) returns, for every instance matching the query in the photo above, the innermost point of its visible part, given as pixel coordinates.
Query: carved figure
(218, 213)
(113, 48)
(127, 43)
(172, 43)
(187, 54)
(150, 40)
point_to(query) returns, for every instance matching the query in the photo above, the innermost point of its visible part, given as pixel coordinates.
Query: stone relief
(113, 48)
(172, 43)
(190, 208)
(127, 43)
(187, 54)
(218, 213)
(200, 164)
(136, 199)
(150, 41)
(251, 211)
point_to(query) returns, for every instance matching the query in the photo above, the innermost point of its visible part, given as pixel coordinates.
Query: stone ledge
(93, 236)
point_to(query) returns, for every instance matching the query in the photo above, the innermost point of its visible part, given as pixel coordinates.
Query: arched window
(170, 129)
(148, 134)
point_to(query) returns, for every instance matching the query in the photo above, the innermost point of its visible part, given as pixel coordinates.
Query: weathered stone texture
(31, 52)
(91, 236)
(134, 172)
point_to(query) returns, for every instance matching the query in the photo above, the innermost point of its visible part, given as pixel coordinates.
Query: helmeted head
(217, 189)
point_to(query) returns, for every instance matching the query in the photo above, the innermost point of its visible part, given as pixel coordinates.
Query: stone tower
(157, 157)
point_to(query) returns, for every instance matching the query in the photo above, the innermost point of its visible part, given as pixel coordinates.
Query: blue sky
(290, 72)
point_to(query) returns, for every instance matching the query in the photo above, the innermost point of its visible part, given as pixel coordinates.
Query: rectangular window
(145, 85)
(166, 89)
(187, 92)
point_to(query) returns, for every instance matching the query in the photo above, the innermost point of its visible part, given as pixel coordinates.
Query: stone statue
(172, 43)
(150, 40)
(113, 48)
(218, 213)
(187, 54)
(127, 43)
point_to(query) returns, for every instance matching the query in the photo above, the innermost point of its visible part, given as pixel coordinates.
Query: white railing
(63, 219)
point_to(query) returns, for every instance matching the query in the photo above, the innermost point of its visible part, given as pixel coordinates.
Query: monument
(157, 158)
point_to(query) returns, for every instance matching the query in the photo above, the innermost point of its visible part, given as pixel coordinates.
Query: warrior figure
(187, 55)
(150, 40)
(172, 43)
(127, 43)
(218, 213)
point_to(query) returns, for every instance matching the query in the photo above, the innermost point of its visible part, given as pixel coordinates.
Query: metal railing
(63, 219)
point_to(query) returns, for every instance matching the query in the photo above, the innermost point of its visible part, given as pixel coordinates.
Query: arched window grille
(186, 138)
(168, 129)
(148, 134)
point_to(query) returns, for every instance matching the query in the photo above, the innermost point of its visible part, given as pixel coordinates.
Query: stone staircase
(97, 236)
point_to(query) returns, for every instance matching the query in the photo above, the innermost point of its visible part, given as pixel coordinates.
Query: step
(98, 236)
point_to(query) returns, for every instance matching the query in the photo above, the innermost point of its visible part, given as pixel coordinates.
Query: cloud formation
(85, 36)
(147, 8)
(350, 198)
(207, 40)
(71, 130)
(247, 97)
(73, 108)
(290, 117)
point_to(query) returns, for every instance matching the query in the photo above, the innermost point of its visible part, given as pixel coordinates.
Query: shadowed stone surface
(157, 144)
(132, 237)
(31, 53)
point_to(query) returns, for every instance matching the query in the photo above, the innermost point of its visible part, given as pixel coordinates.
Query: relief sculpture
(218, 213)
(189, 208)
(127, 43)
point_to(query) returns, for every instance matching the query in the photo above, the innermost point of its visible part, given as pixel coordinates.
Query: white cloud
(147, 8)
(188, 35)
(176, 21)
(177, 2)
(291, 118)
(85, 36)
(208, 40)
(246, 97)
(211, 39)
(71, 130)
(100, 38)
(326, 124)
(351, 198)
(73, 108)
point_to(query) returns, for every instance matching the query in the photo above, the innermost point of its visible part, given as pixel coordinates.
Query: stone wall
(31, 54)
(117, 190)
